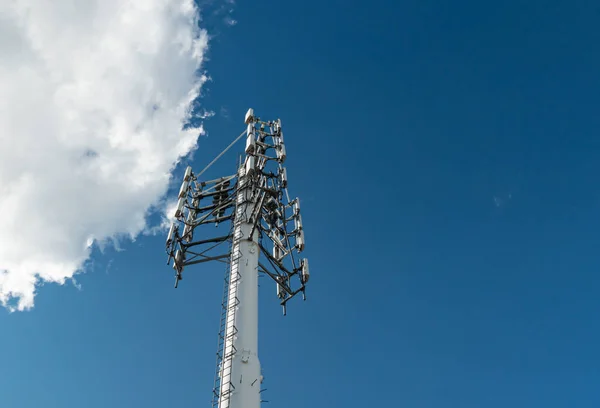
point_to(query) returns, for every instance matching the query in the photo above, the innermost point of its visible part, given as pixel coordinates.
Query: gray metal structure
(259, 231)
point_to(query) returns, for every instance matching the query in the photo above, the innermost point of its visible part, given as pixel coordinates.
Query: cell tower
(260, 232)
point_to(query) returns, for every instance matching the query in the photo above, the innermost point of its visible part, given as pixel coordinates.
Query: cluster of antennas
(264, 145)
(199, 203)
(276, 218)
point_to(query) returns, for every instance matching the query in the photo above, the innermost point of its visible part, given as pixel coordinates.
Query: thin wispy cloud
(94, 96)
(500, 201)
(225, 112)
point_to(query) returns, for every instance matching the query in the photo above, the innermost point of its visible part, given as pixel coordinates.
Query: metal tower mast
(260, 219)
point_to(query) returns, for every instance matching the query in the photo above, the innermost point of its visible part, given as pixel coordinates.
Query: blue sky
(446, 155)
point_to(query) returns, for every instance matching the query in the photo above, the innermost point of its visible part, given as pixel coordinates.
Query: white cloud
(93, 95)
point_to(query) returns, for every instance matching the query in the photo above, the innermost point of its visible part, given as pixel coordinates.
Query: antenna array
(261, 232)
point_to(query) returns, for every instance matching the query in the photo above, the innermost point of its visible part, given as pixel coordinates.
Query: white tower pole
(259, 210)
(240, 367)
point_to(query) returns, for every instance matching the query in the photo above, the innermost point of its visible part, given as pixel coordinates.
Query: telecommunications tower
(261, 233)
